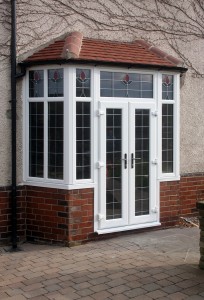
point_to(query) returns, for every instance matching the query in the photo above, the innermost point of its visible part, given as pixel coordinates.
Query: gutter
(101, 63)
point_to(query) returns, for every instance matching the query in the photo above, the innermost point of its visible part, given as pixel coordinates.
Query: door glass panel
(142, 148)
(113, 163)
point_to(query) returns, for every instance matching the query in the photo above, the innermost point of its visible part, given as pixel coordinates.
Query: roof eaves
(104, 63)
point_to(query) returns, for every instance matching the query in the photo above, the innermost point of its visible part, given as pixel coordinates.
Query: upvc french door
(127, 164)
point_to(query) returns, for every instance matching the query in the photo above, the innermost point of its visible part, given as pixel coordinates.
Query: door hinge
(155, 161)
(154, 209)
(155, 113)
(100, 112)
(100, 164)
(100, 217)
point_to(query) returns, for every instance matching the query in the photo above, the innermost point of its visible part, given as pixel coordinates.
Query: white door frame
(128, 220)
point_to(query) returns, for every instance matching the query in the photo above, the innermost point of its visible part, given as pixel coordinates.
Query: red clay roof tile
(75, 47)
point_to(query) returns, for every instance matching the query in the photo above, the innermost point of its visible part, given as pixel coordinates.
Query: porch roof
(76, 48)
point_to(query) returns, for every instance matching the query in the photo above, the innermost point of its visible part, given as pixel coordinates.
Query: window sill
(60, 185)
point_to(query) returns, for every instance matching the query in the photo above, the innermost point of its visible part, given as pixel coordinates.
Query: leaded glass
(167, 87)
(113, 163)
(126, 85)
(55, 83)
(167, 138)
(36, 139)
(83, 140)
(36, 83)
(55, 140)
(83, 83)
(142, 151)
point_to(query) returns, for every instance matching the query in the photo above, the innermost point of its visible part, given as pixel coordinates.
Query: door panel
(127, 177)
(113, 183)
(142, 178)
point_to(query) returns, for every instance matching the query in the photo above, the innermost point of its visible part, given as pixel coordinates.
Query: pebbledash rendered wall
(56, 215)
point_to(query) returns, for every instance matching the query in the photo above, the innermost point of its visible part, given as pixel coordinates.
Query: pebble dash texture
(154, 265)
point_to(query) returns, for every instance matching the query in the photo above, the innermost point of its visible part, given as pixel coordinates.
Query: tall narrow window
(55, 140)
(36, 139)
(167, 138)
(83, 140)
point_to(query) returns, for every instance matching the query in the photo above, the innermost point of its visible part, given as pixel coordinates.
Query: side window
(83, 124)
(46, 125)
(168, 123)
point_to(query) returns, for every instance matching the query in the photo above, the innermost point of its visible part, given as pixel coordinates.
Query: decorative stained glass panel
(36, 139)
(55, 140)
(55, 83)
(83, 82)
(36, 83)
(126, 85)
(83, 140)
(167, 87)
(167, 138)
(113, 164)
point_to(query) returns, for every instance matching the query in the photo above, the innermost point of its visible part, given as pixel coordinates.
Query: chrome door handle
(125, 160)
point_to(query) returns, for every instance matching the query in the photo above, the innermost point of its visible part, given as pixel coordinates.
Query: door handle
(125, 160)
(132, 160)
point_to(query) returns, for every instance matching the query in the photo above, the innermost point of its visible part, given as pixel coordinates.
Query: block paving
(160, 264)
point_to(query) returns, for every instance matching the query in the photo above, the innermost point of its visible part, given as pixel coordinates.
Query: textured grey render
(38, 25)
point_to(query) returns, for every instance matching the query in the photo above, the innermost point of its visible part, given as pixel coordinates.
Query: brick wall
(178, 198)
(5, 214)
(59, 215)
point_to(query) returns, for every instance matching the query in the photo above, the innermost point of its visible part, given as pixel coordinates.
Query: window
(126, 85)
(46, 125)
(83, 140)
(83, 124)
(169, 140)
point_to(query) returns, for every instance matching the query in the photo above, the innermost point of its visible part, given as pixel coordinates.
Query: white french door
(127, 165)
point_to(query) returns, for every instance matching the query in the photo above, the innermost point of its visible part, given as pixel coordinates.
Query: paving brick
(103, 295)
(157, 294)
(135, 292)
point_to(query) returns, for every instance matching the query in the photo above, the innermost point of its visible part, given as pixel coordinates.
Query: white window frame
(175, 175)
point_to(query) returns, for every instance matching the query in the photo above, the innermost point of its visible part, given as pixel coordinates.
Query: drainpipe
(13, 125)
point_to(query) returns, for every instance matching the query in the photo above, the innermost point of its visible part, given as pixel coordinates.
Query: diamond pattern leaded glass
(132, 85)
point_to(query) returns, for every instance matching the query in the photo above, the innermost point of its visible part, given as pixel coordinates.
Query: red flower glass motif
(56, 75)
(126, 79)
(36, 76)
(82, 76)
(166, 81)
